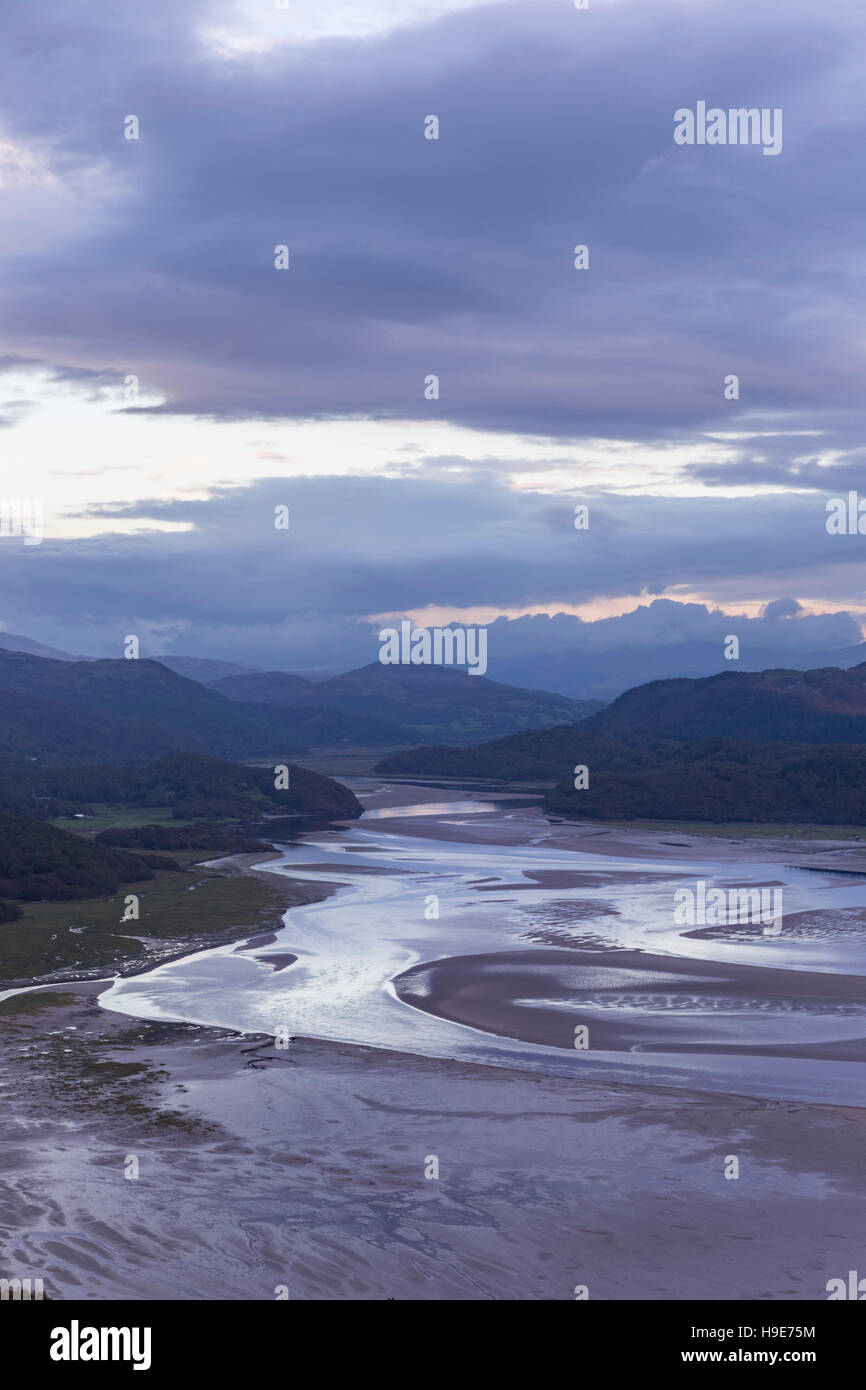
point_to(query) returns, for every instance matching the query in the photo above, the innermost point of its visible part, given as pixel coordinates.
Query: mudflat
(147, 1159)
(305, 1168)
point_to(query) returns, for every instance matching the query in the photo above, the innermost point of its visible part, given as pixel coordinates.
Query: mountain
(844, 657)
(266, 687)
(317, 723)
(419, 702)
(33, 727)
(203, 669)
(328, 728)
(13, 642)
(541, 755)
(126, 712)
(662, 640)
(821, 706)
(776, 746)
(607, 674)
(721, 780)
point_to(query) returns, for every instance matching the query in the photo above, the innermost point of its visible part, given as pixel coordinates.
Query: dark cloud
(363, 546)
(832, 462)
(782, 608)
(453, 257)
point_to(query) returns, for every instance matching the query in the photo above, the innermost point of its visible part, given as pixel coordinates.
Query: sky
(164, 386)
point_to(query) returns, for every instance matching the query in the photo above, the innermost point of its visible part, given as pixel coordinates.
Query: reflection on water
(469, 806)
(443, 898)
(428, 808)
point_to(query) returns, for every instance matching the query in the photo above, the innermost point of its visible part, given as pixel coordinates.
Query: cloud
(782, 608)
(452, 257)
(365, 546)
(412, 257)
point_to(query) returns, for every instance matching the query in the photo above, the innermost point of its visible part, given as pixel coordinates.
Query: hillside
(543, 755)
(203, 668)
(15, 642)
(329, 728)
(267, 687)
(727, 781)
(194, 785)
(32, 726)
(130, 711)
(38, 861)
(775, 746)
(417, 702)
(821, 706)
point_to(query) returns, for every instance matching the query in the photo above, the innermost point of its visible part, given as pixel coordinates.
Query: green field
(118, 817)
(88, 935)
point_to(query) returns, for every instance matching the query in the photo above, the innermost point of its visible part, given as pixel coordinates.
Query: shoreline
(293, 893)
(543, 1182)
(311, 1161)
(636, 841)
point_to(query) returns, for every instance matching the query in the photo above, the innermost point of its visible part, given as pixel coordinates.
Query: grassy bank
(117, 818)
(198, 905)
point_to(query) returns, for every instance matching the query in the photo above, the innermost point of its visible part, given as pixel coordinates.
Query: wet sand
(306, 1168)
(260, 1167)
(641, 841)
(655, 1003)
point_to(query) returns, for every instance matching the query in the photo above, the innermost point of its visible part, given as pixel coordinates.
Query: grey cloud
(362, 546)
(453, 257)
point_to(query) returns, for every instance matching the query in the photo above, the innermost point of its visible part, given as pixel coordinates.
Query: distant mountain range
(14, 642)
(562, 663)
(771, 746)
(775, 744)
(604, 675)
(125, 712)
(121, 712)
(415, 702)
(661, 640)
(203, 668)
(562, 653)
